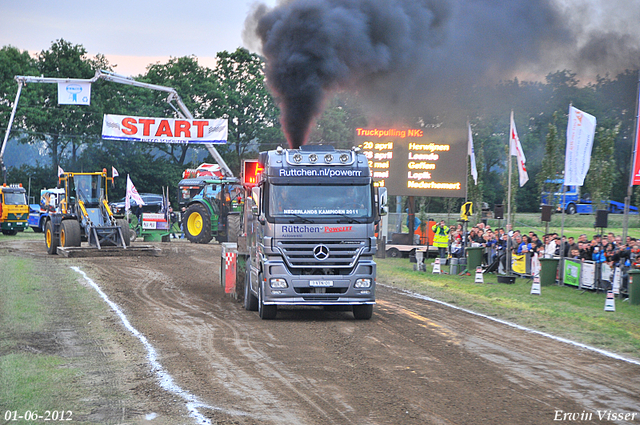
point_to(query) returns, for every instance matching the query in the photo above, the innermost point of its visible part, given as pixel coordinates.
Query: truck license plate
(321, 283)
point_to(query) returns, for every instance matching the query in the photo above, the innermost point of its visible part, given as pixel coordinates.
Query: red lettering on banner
(200, 125)
(182, 127)
(164, 129)
(146, 122)
(130, 125)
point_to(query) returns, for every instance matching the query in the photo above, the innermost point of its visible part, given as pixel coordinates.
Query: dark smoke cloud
(401, 56)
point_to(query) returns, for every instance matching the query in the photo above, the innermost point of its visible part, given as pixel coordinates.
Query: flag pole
(466, 190)
(564, 196)
(508, 253)
(627, 199)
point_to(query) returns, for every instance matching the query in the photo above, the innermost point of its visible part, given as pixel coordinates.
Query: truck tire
(10, 232)
(393, 253)
(363, 311)
(571, 209)
(197, 224)
(250, 300)
(50, 239)
(39, 228)
(126, 232)
(266, 312)
(70, 233)
(233, 227)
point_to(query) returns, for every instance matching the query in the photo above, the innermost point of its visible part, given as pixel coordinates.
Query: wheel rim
(63, 238)
(194, 223)
(48, 238)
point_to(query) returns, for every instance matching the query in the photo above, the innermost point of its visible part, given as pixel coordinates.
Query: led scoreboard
(417, 162)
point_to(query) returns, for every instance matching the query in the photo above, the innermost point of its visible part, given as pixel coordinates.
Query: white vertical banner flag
(60, 171)
(472, 157)
(580, 132)
(515, 149)
(114, 172)
(131, 193)
(74, 93)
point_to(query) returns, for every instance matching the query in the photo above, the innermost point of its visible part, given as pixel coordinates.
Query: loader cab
(88, 189)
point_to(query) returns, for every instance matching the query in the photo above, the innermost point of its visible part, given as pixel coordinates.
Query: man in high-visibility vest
(440, 238)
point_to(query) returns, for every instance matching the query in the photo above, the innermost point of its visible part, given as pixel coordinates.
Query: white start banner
(164, 130)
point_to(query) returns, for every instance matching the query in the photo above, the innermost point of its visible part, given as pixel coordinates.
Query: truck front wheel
(250, 300)
(266, 312)
(197, 224)
(363, 311)
(571, 209)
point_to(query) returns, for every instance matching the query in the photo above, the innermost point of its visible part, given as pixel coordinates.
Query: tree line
(235, 89)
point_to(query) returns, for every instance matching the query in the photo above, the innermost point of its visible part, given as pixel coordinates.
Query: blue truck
(573, 202)
(49, 201)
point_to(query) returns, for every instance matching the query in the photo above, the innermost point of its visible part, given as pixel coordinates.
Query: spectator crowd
(609, 248)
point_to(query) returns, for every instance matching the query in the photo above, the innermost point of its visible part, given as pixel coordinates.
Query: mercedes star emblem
(321, 252)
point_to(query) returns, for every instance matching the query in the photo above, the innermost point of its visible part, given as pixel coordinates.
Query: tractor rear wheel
(70, 233)
(50, 239)
(197, 222)
(124, 227)
(233, 227)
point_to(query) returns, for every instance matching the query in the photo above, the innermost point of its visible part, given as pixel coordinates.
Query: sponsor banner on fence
(588, 276)
(164, 130)
(572, 272)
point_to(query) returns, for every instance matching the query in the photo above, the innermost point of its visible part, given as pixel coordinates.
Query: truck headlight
(363, 283)
(278, 283)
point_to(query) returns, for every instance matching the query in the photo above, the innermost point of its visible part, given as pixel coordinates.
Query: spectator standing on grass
(440, 237)
(536, 244)
(523, 248)
(182, 223)
(549, 246)
(173, 220)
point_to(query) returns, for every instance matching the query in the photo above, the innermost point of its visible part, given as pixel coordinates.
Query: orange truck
(14, 210)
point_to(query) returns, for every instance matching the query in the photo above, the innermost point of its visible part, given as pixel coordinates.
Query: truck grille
(339, 254)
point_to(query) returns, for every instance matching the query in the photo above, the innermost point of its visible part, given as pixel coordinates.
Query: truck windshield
(320, 201)
(15, 199)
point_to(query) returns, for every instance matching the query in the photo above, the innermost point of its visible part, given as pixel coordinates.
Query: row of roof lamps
(313, 157)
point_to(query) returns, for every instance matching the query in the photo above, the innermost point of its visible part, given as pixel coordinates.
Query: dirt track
(414, 362)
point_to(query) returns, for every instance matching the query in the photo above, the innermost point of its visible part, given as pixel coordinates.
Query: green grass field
(559, 310)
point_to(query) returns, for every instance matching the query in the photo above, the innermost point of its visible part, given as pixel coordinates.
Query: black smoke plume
(404, 56)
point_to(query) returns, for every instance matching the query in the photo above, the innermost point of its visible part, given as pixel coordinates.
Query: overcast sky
(131, 34)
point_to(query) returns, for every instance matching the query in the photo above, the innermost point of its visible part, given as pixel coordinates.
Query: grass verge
(560, 310)
(44, 338)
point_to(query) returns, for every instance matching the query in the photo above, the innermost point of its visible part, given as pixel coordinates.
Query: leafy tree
(602, 172)
(338, 122)
(551, 163)
(252, 113)
(61, 126)
(12, 62)
(198, 89)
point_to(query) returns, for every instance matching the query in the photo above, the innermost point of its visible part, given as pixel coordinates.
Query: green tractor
(211, 208)
(84, 215)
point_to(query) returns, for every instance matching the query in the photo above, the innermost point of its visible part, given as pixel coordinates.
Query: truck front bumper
(317, 290)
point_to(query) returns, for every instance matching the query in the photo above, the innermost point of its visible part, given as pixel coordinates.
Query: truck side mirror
(383, 209)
